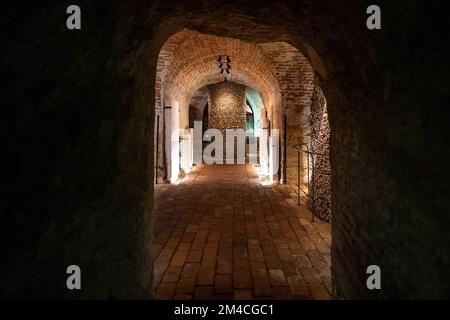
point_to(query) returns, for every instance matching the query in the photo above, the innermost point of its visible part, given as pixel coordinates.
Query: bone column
(186, 142)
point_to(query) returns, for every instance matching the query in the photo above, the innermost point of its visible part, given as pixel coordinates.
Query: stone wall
(279, 71)
(226, 102)
(319, 200)
(226, 106)
(296, 80)
(160, 170)
(188, 61)
(77, 116)
(194, 115)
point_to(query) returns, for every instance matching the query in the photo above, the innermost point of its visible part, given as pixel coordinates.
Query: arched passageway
(80, 185)
(227, 232)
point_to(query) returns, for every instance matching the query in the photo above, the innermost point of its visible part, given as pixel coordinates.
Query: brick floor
(220, 234)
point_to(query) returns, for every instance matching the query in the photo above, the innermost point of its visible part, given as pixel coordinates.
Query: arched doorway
(90, 182)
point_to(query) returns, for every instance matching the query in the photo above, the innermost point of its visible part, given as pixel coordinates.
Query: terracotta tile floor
(220, 234)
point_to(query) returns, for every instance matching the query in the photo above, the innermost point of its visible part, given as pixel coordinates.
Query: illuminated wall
(227, 111)
(227, 106)
(320, 185)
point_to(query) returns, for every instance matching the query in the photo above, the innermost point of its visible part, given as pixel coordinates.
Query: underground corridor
(229, 228)
(118, 157)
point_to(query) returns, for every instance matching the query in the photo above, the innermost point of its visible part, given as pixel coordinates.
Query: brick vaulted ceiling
(188, 61)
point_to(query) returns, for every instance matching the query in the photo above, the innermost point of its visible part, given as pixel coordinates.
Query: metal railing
(299, 149)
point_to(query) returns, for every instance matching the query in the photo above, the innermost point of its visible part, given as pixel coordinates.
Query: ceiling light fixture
(224, 66)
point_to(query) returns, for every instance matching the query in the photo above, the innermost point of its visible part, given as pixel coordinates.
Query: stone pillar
(263, 144)
(227, 110)
(159, 151)
(185, 137)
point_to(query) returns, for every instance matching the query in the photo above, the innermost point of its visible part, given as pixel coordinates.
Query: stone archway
(81, 182)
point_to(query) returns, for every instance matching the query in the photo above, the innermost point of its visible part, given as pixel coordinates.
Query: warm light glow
(264, 178)
(225, 101)
(266, 183)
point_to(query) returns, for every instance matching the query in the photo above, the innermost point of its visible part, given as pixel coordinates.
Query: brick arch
(188, 61)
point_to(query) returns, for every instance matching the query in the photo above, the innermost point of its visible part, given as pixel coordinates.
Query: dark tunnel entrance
(80, 186)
